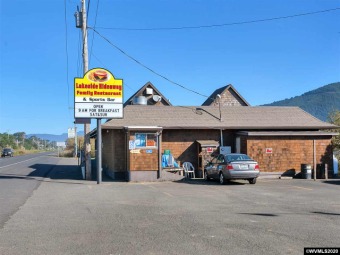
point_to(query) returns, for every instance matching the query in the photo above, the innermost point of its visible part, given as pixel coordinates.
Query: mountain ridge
(319, 102)
(55, 138)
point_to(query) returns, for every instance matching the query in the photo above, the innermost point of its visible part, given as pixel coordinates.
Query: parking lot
(66, 216)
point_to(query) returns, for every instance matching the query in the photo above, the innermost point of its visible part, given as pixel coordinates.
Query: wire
(79, 62)
(66, 49)
(220, 25)
(146, 67)
(95, 22)
(102, 64)
(88, 9)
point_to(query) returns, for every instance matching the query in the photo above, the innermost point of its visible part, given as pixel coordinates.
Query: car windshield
(7, 150)
(238, 157)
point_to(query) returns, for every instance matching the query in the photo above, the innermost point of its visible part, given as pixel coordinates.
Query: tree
(7, 140)
(20, 137)
(334, 118)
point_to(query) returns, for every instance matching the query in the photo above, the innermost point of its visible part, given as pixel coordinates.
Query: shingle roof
(206, 117)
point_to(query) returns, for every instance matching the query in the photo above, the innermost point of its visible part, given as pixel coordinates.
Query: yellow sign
(135, 151)
(98, 95)
(98, 85)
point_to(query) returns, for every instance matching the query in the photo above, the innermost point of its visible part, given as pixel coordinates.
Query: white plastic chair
(189, 170)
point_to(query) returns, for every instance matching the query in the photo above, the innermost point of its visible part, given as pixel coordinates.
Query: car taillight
(257, 167)
(230, 167)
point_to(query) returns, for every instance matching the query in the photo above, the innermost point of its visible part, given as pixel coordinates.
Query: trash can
(306, 171)
(320, 171)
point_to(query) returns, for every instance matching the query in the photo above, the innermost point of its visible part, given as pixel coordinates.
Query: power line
(88, 9)
(103, 65)
(146, 67)
(95, 22)
(220, 25)
(79, 62)
(66, 49)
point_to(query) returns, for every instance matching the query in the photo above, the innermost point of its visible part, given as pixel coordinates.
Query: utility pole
(75, 141)
(87, 144)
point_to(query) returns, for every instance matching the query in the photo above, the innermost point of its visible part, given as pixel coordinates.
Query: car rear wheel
(252, 181)
(206, 177)
(222, 179)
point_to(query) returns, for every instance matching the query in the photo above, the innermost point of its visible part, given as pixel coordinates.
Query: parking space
(191, 217)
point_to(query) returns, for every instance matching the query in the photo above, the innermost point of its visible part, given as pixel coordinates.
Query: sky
(240, 42)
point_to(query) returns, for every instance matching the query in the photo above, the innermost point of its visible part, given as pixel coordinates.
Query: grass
(25, 152)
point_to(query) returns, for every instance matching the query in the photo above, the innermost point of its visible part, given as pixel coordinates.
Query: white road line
(20, 162)
(298, 187)
(152, 187)
(168, 194)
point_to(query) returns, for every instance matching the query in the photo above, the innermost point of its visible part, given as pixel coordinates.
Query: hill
(319, 102)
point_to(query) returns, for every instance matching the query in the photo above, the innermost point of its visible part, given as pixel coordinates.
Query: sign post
(98, 95)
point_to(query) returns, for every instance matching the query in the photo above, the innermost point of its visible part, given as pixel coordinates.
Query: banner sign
(71, 133)
(61, 144)
(98, 95)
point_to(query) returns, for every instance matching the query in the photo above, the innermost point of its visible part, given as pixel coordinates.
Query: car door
(211, 168)
(219, 164)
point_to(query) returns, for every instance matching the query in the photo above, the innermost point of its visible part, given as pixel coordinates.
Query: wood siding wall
(229, 98)
(143, 161)
(113, 153)
(182, 143)
(288, 153)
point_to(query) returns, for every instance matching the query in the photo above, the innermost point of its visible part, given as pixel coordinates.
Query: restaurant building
(279, 138)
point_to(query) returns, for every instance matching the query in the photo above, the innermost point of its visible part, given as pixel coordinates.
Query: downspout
(221, 135)
(159, 145)
(127, 165)
(219, 108)
(314, 159)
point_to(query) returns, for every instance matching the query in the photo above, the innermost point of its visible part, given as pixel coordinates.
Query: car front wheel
(222, 179)
(252, 181)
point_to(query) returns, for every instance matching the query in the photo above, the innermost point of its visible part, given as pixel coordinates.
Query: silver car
(231, 167)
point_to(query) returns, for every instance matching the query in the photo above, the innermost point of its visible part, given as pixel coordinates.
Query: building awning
(142, 128)
(286, 133)
(208, 143)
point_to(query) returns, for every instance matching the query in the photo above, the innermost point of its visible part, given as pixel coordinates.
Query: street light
(219, 105)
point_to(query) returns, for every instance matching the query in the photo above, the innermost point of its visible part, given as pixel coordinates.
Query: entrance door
(238, 144)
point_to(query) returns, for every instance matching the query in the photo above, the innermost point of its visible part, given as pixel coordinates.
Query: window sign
(140, 140)
(145, 140)
(269, 150)
(132, 145)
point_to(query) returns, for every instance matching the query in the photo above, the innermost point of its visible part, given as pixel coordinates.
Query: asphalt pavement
(19, 177)
(68, 215)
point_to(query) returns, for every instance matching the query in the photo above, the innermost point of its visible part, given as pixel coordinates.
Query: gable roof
(229, 88)
(207, 117)
(141, 91)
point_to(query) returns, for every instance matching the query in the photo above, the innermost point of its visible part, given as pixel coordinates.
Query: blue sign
(132, 145)
(148, 151)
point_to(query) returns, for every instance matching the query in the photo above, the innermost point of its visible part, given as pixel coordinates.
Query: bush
(66, 153)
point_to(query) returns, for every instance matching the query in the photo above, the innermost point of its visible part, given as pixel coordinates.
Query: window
(145, 140)
(214, 160)
(220, 159)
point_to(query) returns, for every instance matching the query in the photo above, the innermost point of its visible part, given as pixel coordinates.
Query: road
(19, 177)
(67, 215)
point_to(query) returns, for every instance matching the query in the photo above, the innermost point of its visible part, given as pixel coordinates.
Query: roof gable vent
(149, 91)
(140, 100)
(157, 98)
